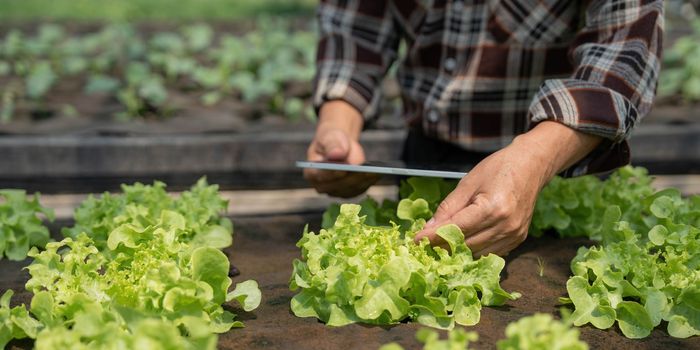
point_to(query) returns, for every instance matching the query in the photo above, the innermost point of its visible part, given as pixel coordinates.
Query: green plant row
(644, 269)
(536, 332)
(146, 73)
(138, 270)
(20, 224)
(149, 10)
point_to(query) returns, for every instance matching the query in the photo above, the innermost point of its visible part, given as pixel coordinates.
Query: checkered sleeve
(358, 42)
(616, 58)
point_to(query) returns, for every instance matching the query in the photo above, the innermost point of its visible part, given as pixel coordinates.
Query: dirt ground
(264, 248)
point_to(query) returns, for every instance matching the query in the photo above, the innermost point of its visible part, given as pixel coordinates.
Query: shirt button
(433, 116)
(450, 64)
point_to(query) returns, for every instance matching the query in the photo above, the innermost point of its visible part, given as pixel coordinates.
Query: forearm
(556, 147)
(338, 114)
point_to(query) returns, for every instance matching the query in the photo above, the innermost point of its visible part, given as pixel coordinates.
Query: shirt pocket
(532, 23)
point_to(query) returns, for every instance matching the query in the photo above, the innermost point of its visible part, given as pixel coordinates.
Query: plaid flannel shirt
(479, 72)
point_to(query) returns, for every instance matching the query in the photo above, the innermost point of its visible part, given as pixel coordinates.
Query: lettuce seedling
(355, 272)
(541, 331)
(646, 267)
(20, 225)
(457, 339)
(15, 323)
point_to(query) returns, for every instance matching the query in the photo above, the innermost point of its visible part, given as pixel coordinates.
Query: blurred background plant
(131, 49)
(150, 10)
(680, 78)
(151, 59)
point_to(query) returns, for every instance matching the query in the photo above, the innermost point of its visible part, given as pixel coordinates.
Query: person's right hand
(336, 140)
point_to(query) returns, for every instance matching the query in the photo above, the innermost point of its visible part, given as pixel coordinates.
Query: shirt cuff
(351, 92)
(593, 109)
(603, 159)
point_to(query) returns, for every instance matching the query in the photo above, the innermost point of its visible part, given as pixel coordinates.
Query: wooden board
(247, 161)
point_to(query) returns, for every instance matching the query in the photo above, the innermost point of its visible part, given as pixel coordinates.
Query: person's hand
(336, 140)
(493, 204)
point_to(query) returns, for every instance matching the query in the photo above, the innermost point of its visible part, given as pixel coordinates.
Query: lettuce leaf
(20, 225)
(419, 198)
(139, 205)
(456, 339)
(150, 275)
(536, 332)
(15, 323)
(541, 331)
(646, 267)
(356, 272)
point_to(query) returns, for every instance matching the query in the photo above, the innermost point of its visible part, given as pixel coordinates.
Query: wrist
(340, 115)
(556, 146)
(538, 156)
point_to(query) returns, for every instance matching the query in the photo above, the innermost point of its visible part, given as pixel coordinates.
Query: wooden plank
(94, 164)
(58, 156)
(667, 149)
(246, 161)
(278, 202)
(687, 184)
(244, 203)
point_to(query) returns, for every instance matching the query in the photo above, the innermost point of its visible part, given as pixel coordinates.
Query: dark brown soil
(264, 248)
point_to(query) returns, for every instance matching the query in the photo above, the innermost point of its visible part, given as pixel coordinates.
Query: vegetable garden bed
(264, 247)
(87, 113)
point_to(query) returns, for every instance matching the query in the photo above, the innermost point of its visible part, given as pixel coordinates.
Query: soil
(264, 248)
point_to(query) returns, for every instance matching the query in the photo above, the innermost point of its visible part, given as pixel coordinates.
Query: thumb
(457, 200)
(471, 219)
(334, 145)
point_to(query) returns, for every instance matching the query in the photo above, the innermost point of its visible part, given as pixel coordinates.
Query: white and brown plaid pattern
(477, 73)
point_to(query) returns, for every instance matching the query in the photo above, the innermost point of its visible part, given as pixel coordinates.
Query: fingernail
(430, 223)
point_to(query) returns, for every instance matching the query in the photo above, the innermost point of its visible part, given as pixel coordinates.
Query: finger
(501, 248)
(350, 179)
(349, 186)
(482, 240)
(458, 199)
(334, 146)
(472, 219)
(494, 240)
(340, 178)
(320, 176)
(351, 191)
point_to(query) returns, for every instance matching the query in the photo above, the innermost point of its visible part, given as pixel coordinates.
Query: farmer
(525, 90)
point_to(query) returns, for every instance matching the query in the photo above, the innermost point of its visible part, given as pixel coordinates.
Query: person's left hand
(493, 204)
